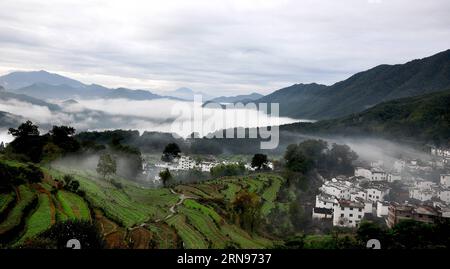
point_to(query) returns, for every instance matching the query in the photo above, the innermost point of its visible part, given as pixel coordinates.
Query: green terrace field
(130, 216)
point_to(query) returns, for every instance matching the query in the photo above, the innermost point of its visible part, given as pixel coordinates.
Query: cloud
(155, 115)
(222, 47)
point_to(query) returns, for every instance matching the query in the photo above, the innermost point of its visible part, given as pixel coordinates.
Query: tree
(62, 136)
(106, 165)
(25, 130)
(165, 176)
(27, 141)
(246, 209)
(296, 160)
(259, 161)
(340, 159)
(171, 151)
(70, 183)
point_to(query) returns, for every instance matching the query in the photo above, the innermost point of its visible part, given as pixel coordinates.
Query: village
(405, 189)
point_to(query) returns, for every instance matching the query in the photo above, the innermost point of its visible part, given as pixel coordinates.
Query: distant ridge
(364, 89)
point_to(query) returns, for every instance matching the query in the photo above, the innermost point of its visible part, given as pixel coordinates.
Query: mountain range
(419, 118)
(363, 90)
(50, 86)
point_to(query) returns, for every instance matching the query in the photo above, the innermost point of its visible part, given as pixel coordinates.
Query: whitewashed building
(422, 194)
(444, 195)
(445, 180)
(363, 172)
(376, 193)
(347, 213)
(392, 177)
(382, 209)
(336, 188)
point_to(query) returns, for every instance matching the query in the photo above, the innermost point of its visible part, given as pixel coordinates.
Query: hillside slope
(420, 118)
(365, 89)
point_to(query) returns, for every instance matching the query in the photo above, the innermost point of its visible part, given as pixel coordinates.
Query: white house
(373, 174)
(445, 180)
(421, 194)
(376, 193)
(336, 188)
(378, 174)
(347, 213)
(325, 201)
(358, 193)
(444, 195)
(392, 177)
(440, 152)
(363, 172)
(382, 209)
(399, 165)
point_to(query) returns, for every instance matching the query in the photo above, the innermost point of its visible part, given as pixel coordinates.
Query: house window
(350, 221)
(342, 215)
(359, 216)
(360, 210)
(351, 208)
(351, 215)
(342, 208)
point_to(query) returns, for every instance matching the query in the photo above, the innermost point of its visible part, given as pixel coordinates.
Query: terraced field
(128, 206)
(41, 219)
(192, 238)
(5, 200)
(26, 197)
(191, 216)
(74, 207)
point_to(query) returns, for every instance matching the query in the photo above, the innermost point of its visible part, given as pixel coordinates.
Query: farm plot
(74, 207)
(41, 219)
(26, 196)
(206, 226)
(192, 239)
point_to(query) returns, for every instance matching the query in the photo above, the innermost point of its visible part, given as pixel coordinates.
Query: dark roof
(321, 210)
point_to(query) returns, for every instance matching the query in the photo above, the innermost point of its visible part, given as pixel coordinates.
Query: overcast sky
(222, 47)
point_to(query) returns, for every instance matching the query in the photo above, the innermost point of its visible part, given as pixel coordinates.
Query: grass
(129, 206)
(206, 226)
(5, 200)
(74, 207)
(192, 239)
(40, 220)
(14, 217)
(270, 194)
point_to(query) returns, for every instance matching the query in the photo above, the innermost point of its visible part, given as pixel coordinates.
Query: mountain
(364, 90)
(16, 80)
(419, 118)
(8, 96)
(187, 94)
(49, 86)
(62, 92)
(238, 98)
(8, 120)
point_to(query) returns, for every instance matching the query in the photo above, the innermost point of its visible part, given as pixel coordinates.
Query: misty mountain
(244, 98)
(9, 96)
(61, 92)
(45, 85)
(20, 79)
(423, 118)
(187, 94)
(364, 90)
(8, 120)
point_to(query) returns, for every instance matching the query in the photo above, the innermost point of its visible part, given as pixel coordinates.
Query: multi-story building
(336, 188)
(444, 195)
(347, 213)
(445, 180)
(422, 213)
